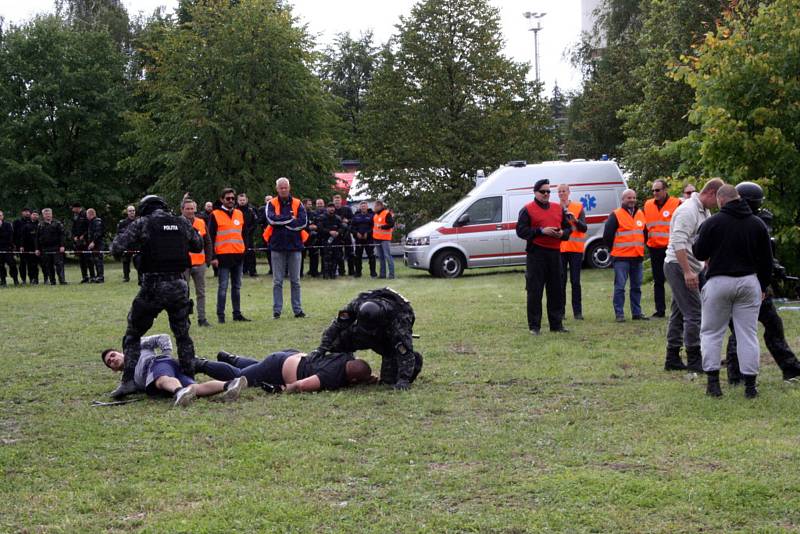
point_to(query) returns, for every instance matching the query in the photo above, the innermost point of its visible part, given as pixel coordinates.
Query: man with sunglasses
(657, 214)
(225, 227)
(543, 225)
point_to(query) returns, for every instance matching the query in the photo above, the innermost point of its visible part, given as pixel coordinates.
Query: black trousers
(29, 266)
(362, 246)
(52, 265)
(97, 260)
(572, 262)
(249, 265)
(543, 273)
(87, 265)
(155, 296)
(7, 259)
(313, 257)
(332, 259)
(774, 338)
(657, 256)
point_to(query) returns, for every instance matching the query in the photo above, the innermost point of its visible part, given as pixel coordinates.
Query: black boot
(713, 389)
(227, 357)
(694, 360)
(750, 390)
(673, 362)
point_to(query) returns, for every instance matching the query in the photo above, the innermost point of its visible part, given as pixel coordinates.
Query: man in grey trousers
(200, 261)
(685, 275)
(736, 244)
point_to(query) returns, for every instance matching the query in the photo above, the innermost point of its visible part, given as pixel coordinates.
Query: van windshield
(457, 208)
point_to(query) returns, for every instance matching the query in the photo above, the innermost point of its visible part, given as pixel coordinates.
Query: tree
(229, 99)
(747, 107)
(346, 69)
(559, 105)
(445, 102)
(61, 97)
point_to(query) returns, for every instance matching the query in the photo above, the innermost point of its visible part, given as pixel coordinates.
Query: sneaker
(241, 318)
(535, 332)
(620, 318)
(203, 322)
(235, 387)
(641, 318)
(300, 315)
(185, 396)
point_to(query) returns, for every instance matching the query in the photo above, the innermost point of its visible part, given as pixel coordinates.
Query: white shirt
(683, 230)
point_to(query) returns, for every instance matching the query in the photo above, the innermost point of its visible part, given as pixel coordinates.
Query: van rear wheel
(448, 264)
(598, 256)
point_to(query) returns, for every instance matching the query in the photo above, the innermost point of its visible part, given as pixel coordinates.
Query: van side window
(485, 211)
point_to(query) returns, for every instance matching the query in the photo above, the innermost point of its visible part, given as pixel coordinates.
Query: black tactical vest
(166, 250)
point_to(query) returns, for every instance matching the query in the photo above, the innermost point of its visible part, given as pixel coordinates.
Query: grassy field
(502, 432)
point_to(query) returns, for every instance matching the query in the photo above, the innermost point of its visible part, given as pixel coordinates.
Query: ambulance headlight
(418, 241)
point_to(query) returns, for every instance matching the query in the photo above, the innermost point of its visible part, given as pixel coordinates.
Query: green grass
(502, 432)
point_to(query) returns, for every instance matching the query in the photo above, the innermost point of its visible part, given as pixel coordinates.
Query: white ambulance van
(479, 230)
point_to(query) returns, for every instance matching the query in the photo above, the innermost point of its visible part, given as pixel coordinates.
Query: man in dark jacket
(314, 242)
(80, 227)
(361, 227)
(95, 235)
(330, 228)
(346, 215)
(736, 245)
(249, 233)
(50, 238)
(27, 262)
(287, 220)
(7, 251)
(122, 225)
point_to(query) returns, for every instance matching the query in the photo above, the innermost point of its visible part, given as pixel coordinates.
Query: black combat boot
(694, 360)
(713, 389)
(672, 361)
(227, 357)
(750, 390)
(126, 385)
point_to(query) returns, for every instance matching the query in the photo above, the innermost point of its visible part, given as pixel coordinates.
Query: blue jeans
(383, 247)
(280, 259)
(234, 274)
(623, 269)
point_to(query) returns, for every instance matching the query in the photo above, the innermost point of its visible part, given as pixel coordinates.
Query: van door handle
(499, 227)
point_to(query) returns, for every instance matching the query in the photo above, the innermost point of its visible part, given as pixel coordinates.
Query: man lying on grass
(158, 374)
(291, 371)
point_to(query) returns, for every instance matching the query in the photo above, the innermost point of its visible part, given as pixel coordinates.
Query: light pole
(536, 29)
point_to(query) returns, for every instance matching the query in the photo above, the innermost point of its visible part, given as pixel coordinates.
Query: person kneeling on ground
(159, 374)
(291, 371)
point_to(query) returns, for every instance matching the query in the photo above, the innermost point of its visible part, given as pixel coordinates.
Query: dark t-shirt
(329, 368)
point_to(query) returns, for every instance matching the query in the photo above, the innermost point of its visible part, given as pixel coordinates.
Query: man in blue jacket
(285, 234)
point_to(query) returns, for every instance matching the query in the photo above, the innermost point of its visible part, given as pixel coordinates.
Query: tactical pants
(97, 260)
(774, 338)
(394, 365)
(52, 265)
(313, 258)
(155, 296)
(249, 265)
(571, 269)
(29, 266)
(365, 245)
(7, 258)
(543, 271)
(126, 266)
(331, 259)
(657, 256)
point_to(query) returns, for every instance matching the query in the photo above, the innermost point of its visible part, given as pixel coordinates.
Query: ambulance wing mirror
(462, 219)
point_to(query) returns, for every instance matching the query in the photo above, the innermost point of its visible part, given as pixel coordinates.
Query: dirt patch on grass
(10, 432)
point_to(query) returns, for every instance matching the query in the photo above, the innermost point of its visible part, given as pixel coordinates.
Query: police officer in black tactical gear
(381, 320)
(122, 225)
(165, 241)
(774, 337)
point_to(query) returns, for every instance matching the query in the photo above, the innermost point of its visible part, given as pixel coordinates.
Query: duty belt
(161, 277)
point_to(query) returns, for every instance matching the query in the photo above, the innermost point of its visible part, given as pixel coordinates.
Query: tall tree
(230, 99)
(61, 98)
(444, 103)
(346, 69)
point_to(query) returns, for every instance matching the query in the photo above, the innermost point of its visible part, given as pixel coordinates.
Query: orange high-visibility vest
(229, 232)
(198, 258)
(577, 240)
(658, 221)
(276, 205)
(378, 221)
(629, 238)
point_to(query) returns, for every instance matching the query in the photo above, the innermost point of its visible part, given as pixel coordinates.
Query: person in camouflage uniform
(165, 241)
(381, 320)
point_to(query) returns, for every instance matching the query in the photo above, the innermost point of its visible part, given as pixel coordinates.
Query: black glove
(402, 385)
(270, 388)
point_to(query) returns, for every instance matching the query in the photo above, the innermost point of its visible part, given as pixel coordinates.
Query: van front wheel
(598, 256)
(448, 264)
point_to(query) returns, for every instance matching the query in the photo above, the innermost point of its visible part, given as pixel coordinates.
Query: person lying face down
(159, 374)
(291, 371)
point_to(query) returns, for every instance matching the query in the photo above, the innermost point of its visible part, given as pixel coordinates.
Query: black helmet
(752, 194)
(369, 313)
(151, 203)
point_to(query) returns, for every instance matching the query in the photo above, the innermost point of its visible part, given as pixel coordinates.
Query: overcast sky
(325, 18)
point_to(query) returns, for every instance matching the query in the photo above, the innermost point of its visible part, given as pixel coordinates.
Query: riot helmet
(151, 203)
(751, 193)
(369, 314)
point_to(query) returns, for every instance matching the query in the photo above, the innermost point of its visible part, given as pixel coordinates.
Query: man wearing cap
(543, 225)
(658, 213)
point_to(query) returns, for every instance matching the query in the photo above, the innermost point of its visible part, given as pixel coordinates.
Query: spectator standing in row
(658, 213)
(262, 220)
(122, 225)
(199, 260)
(225, 229)
(315, 240)
(346, 215)
(362, 232)
(625, 232)
(95, 236)
(25, 241)
(308, 204)
(7, 251)
(736, 244)
(686, 276)
(382, 225)
(543, 225)
(249, 233)
(572, 252)
(50, 238)
(80, 227)
(286, 233)
(330, 228)
(688, 189)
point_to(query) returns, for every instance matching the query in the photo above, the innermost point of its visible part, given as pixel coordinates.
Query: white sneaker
(185, 396)
(235, 387)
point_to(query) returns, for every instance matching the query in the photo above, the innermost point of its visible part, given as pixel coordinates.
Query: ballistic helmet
(752, 194)
(369, 313)
(151, 203)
